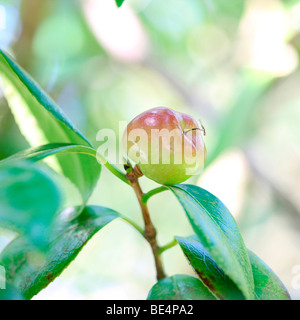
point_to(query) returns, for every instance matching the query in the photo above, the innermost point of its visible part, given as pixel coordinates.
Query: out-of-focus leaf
(180, 287)
(226, 8)
(41, 122)
(30, 272)
(267, 285)
(290, 3)
(219, 234)
(119, 2)
(29, 200)
(235, 126)
(208, 271)
(10, 293)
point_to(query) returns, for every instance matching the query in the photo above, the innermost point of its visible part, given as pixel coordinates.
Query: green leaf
(48, 150)
(10, 293)
(267, 285)
(29, 200)
(41, 122)
(42, 152)
(219, 234)
(208, 271)
(30, 272)
(180, 287)
(119, 2)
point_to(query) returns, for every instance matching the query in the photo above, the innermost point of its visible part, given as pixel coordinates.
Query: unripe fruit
(166, 145)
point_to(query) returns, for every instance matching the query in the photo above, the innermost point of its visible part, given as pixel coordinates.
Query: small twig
(167, 246)
(150, 232)
(151, 193)
(194, 129)
(200, 129)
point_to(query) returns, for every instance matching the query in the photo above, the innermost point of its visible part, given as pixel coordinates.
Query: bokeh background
(233, 64)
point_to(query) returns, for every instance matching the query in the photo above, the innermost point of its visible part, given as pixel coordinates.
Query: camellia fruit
(166, 145)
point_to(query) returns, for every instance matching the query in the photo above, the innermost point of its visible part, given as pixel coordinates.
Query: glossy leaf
(219, 234)
(180, 287)
(208, 271)
(30, 272)
(267, 284)
(29, 200)
(41, 122)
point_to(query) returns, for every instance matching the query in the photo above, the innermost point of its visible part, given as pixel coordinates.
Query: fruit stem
(149, 232)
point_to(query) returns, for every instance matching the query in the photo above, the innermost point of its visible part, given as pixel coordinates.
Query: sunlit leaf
(30, 271)
(180, 287)
(219, 234)
(41, 122)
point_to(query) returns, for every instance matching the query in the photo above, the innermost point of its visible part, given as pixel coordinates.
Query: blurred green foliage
(213, 59)
(26, 191)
